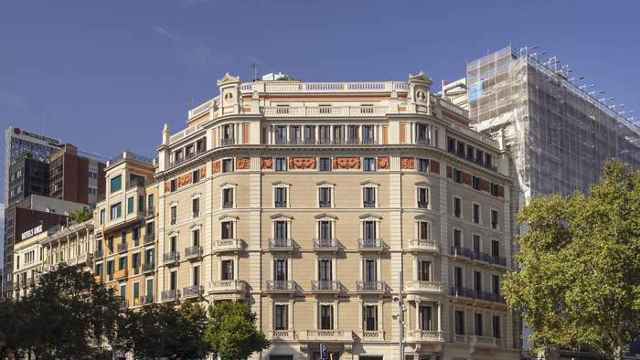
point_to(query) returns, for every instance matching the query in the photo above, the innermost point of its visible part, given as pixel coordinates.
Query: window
(370, 271)
(140, 203)
(116, 183)
(459, 322)
(325, 272)
(324, 134)
(195, 176)
(102, 216)
(281, 317)
(457, 238)
(135, 262)
(424, 270)
(451, 144)
(325, 164)
(326, 317)
(195, 237)
(369, 164)
(494, 219)
(110, 243)
(110, 269)
(195, 276)
(369, 196)
(135, 234)
(122, 263)
(496, 327)
(476, 213)
(174, 214)
(227, 198)
(457, 277)
(99, 269)
(280, 132)
(368, 134)
(352, 134)
(309, 134)
(150, 205)
(173, 280)
(426, 318)
(324, 197)
(280, 230)
(116, 211)
(280, 197)
(477, 281)
(123, 291)
(495, 248)
(280, 270)
(173, 244)
(475, 182)
(495, 284)
(370, 317)
(227, 165)
(369, 231)
(423, 165)
(281, 164)
(174, 185)
(324, 230)
(227, 134)
(136, 291)
(195, 207)
(338, 134)
(478, 324)
(457, 207)
(227, 270)
(457, 176)
(488, 160)
(424, 230)
(423, 197)
(149, 290)
(470, 152)
(476, 243)
(294, 134)
(227, 230)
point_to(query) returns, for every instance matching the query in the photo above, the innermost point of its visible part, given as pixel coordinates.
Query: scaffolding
(559, 135)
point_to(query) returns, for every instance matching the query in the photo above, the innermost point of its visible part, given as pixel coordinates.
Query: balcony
(477, 295)
(371, 335)
(148, 267)
(193, 253)
(326, 287)
(325, 245)
(423, 246)
(149, 238)
(478, 256)
(419, 335)
(371, 287)
(228, 245)
(169, 295)
(486, 342)
(339, 336)
(236, 288)
(424, 287)
(281, 287)
(122, 273)
(371, 245)
(280, 245)
(171, 258)
(122, 247)
(192, 292)
(283, 335)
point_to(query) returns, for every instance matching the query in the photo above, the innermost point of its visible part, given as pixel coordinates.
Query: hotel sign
(32, 232)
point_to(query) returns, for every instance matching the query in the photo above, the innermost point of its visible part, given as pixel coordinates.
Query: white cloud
(163, 31)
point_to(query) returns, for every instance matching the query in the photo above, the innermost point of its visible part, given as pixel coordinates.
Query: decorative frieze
(217, 165)
(267, 163)
(302, 163)
(244, 163)
(346, 163)
(407, 163)
(383, 162)
(184, 180)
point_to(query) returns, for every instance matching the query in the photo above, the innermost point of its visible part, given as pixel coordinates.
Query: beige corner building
(364, 216)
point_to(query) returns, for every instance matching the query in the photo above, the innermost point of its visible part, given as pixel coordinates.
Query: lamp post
(398, 299)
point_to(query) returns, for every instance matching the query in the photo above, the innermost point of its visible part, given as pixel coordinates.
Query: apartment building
(328, 207)
(27, 264)
(75, 176)
(124, 253)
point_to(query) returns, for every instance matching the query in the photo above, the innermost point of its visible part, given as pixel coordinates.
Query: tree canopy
(579, 278)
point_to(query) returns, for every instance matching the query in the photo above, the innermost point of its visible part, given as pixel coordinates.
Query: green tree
(68, 316)
(164, 331)
(232, 332)
(579, 278)
(80, 216)
(12, 327)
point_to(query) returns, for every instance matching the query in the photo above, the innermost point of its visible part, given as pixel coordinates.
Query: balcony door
(426, 318)
(280, 270)
(370, 271)
(325, 271)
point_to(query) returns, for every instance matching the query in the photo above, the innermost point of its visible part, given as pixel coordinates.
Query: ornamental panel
(346, 162)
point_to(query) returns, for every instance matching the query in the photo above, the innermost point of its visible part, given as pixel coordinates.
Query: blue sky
(105, 75)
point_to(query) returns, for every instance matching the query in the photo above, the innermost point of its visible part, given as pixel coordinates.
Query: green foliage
(80, 216)
(164, 331)
(232, 332)
(579, 278)
(67, 316)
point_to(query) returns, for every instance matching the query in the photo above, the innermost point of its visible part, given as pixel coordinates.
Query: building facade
(328, 207)
(125, 244)
(76, 177)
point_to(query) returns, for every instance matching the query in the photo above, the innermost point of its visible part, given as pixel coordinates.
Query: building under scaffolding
(559, 134)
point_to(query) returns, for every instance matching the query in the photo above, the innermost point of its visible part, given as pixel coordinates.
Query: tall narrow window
(369, 232)
(326, 317)
(280, 132)
(227, 165)
(457, 277)
(423, 165)
(280, 231)
(226, 230)
(426, 318)
(227, 198)
(352, 134)
(281, 164)
(309, 134)
(369, 196)
(195, 276)
(494, 219)
(369, 164)
(325, 230)
(459, 322)
(195, 237)
(476, 213)
(477, 282)
(495, 249)
(280, 194)
(457, 239)
(174, 214)
(227, 270)
(370, 271)
(280, 271)
(495, 284)
(424, 230)
(338, 134)
(368, 134)
(476, 244)
(324, 197)
(424, 270)
(496, 327)
(173, 244)
(294, 134)
(457, 207)
(173, 280)
(325, 272)
(324, 134)
(370, 317)
(423, 197)
(478, 324)
(195, 207)
(281, 317)
(325, 164)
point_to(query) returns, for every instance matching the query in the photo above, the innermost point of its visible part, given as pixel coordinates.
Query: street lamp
(398, 299)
